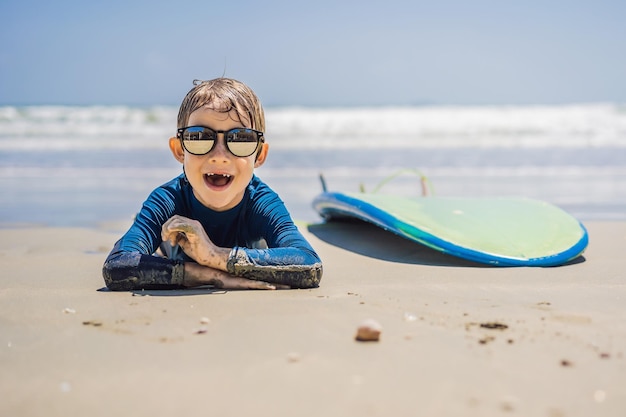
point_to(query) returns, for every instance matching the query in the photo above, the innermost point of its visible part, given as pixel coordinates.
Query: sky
(315, 53)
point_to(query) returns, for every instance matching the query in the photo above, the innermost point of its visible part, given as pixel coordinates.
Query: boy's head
(224, 95)
(220, 163)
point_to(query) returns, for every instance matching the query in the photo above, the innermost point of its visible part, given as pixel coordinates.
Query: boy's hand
(191, 237)
(196, 275)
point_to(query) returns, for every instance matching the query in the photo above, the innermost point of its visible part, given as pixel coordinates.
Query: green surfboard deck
(496, 231)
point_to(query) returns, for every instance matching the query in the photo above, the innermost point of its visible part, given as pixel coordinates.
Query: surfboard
(493, 231)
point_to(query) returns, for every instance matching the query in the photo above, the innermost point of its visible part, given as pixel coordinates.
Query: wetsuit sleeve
(289, 258)
(131, 265)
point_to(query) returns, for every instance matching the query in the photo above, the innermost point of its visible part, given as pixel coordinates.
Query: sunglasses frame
(259, 139)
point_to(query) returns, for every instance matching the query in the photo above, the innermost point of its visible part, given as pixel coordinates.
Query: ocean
(90, 165)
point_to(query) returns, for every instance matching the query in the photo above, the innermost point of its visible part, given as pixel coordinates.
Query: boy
(217, 211)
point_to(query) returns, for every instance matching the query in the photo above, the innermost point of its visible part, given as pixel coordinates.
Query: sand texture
(456, 339)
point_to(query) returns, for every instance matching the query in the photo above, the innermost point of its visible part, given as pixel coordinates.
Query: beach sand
(457, 339)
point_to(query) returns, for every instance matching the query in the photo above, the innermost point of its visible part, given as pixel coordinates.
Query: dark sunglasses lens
(242, 142)
(198, 141)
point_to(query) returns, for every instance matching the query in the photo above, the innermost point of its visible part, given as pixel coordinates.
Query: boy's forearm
(286, 267)
(197, 275)
(294, 267)
(217, 259)
(125, 271)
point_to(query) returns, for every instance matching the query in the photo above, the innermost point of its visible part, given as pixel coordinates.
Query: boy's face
(219, 178)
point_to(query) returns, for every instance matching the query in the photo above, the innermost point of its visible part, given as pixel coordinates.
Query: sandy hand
(191, 237)
(196, 275)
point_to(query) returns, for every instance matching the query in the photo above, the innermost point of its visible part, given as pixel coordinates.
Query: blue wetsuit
(261, 215)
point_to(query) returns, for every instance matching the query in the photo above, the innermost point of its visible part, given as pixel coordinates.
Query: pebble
(201, 330)
(68, 310)
(409, 316)
(369, 331)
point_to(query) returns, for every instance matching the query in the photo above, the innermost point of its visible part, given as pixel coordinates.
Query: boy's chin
(221, 201)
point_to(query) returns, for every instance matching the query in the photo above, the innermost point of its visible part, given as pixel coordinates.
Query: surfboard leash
(426, 185)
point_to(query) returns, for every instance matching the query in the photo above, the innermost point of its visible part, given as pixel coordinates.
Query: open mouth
(217, 180)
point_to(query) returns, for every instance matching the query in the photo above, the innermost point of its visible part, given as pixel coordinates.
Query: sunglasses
(200, 140)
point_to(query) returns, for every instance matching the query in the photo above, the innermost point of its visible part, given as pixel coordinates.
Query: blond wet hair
(223, 95)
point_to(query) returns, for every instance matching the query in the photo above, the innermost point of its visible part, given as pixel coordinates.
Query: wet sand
(457, 339)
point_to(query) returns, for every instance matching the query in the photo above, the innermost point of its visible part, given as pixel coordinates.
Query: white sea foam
(418, 127)
(118, 127)
(78, 165)
(86, 128)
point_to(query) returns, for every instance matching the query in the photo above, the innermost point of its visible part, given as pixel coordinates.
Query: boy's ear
(177, 150)
(260, 159)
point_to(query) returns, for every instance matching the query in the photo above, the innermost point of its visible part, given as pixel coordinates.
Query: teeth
(210, 174)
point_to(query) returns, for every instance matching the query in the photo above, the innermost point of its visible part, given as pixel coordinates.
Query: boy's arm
(212, 261)
(296, 267)
(196, 275)
(193, 240)
(289, 259)
(124, 271)
(131, 264)
(293, 264)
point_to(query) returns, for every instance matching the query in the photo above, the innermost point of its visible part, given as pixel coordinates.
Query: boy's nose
(219, 151)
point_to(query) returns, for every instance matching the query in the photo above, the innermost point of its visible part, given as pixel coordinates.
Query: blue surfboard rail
(331, 205)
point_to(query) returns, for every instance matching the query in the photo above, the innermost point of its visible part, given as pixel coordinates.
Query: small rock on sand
(369, 331)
